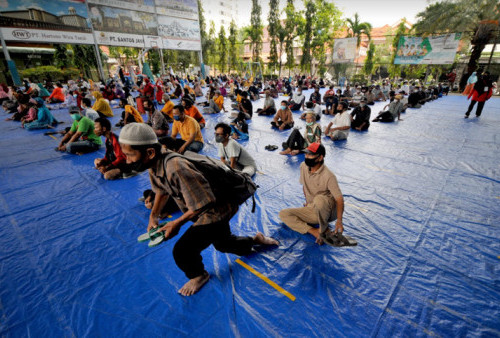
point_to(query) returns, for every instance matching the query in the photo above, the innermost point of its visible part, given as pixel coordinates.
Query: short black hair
(86, 101)
(124, 102)
(104, 122)
(179, 107)
(309, 104)
(285, 102)
(226, 129)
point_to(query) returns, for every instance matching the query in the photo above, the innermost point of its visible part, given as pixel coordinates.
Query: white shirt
(234, 149)
(343, 120)
(298, 98)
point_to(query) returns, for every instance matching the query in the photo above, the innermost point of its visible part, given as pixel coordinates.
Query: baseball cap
(316, 149)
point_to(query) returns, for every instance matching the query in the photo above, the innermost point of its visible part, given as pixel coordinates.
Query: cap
(316, 149)
(74, 109)
(137, 134)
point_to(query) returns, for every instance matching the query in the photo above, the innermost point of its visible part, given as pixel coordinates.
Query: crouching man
(324, 200)
(179, 178)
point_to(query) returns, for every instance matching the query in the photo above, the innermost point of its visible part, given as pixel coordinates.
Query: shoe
(466, 116)
(151, 235)
(337, 239)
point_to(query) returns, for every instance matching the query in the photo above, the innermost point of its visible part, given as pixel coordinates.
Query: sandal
(337, 239)
(271, 147)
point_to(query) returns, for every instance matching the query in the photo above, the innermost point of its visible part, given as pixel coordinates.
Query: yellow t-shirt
(186, 129)
(167, 109)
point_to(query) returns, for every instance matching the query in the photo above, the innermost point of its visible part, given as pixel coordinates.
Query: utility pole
(11, 64)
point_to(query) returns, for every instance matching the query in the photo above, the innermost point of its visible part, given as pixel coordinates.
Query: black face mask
(140, 166)
(311, 162)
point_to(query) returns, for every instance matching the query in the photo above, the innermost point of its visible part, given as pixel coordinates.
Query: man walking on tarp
(179, 177)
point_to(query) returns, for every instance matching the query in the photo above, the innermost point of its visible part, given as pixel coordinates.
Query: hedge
(39, 74)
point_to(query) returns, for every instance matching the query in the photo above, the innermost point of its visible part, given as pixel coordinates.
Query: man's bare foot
(286, 151)
(259, 238)
(194, 285)
(295, 152)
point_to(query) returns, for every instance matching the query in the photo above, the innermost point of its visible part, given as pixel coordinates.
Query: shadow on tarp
(421, 197)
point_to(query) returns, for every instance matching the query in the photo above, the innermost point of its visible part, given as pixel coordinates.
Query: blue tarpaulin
(422, 198)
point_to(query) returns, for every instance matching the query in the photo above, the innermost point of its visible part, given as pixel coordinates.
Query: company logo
(21, 34)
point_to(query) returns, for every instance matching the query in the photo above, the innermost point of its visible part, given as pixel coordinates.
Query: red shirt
(114, 153)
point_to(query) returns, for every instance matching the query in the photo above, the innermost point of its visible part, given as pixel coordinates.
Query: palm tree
(477, 19)
(356, 29)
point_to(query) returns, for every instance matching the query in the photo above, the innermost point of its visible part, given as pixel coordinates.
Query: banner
(179, 33)
(119, 39)
(118, 20)
(137, 5)
(434, 50)
(153, 41)
(55, 21)
(40, 35)
(344, 50)
(187, 9)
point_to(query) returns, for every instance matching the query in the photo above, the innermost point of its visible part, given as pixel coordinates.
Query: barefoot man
(210, 216)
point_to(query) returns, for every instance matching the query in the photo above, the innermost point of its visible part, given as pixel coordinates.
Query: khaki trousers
(321, 211)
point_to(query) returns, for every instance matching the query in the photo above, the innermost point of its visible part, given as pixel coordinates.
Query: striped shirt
(190, 190)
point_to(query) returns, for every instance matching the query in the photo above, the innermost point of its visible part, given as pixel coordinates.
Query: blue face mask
(76, 117)
(176, 117)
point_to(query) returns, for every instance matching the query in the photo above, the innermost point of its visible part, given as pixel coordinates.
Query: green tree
(61, 56)
(222, 49)
(306, 60)
(233, 51)
(475, 18)
(291, 31)
(368, 67)
(255, 31)
(211, 44)
(84, 58)
(357, 29)
(395, 70)
(274, 27)
(203, 33)
(326, 22)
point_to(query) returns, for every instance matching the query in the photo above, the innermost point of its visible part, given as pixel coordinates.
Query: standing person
(482, 92)
(231, 152)
(114, 164)
(196, 199)
(81, 137)
(324, 200)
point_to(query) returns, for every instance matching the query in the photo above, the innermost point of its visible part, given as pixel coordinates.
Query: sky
(376, 12)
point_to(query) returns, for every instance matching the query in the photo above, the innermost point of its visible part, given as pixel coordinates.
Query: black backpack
(226, 183)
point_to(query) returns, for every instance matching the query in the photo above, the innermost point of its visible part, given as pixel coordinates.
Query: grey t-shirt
(234, 149)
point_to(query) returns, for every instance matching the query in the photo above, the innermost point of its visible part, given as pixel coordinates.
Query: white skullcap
(138, 134)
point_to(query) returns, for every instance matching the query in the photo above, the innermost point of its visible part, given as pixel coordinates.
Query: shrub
(38, 74)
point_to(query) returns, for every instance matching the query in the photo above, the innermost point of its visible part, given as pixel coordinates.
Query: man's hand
(339, 228)
(170, 229)
(62, 148)
(153, 223)
(282, 127)
(181, 150)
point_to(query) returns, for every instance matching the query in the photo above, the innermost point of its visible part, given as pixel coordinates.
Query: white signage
(131, 5)
(119, 39)
(151, 41)
(181, 44)
(41, 35)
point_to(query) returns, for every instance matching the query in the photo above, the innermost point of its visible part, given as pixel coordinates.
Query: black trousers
(268, 111)
(356, 123)
(187, 250)
(384, 117)
(479, 110)
(295, 141)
